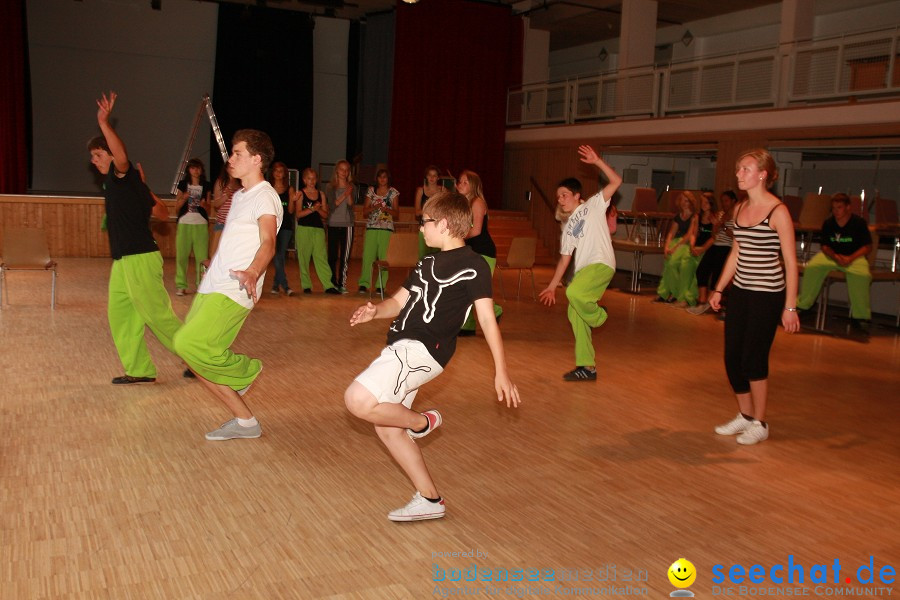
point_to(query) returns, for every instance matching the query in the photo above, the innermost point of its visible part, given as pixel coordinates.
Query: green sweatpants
(311, 245)
(190, 238)
(375, 245)
(584, 292)
(679, 275)
(138, 299)
(858, 280)
(205, 341)
(469, 325)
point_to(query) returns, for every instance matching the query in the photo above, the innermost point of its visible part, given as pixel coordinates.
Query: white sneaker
(419, 509)
(699, 309)
(434, 421)
(737, 425)
(179, 292)
(754, 434)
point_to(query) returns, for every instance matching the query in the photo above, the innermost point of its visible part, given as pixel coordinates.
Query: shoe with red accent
(419, 509)
(434, 421)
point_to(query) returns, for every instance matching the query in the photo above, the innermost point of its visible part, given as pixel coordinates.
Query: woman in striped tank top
(764, 292)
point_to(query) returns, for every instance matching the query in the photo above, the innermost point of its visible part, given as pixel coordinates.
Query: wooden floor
(112, 492)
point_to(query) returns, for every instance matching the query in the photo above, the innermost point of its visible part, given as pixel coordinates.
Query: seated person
(846, 242)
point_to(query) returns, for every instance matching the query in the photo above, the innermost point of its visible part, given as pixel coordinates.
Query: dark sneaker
(861, 325)
(128, 380)
(363, 289)
(379, 291)
(333, 290)
(434, 421)
(189, 374)
(307, 291)
(661, 300)
(419, 509)
(581, 374)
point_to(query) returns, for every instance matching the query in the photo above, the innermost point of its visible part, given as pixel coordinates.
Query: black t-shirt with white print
(441, 288)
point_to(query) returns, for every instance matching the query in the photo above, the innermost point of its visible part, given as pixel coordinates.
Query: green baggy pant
(584, 293)
(679, 276)
(375, 245)
(138, 299)
(858, 281)
(204, 342)
(310, 243)
(190, 238)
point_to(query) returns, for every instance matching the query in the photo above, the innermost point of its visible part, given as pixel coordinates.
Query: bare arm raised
(116, 145)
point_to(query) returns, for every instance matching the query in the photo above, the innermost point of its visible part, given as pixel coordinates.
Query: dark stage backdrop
(264, 80)
(14, 118)
(453, 62)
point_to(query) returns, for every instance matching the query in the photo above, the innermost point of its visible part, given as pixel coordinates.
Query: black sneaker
(581, 374)
(661, 300)
(363, 289)
(307, 291)
(861, 325)
(128, 379)
(189, 374)
(332, 290)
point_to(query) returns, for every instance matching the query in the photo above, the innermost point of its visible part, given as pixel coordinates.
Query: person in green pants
(678, 284)
(479, 238)
(595, 262)
(381, 209)
(312, 213)
(137, 296)
(846, 243)
(192, 204)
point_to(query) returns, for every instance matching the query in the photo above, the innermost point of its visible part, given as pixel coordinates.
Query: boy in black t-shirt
(846, 242)
(137, 297)
(427, 313)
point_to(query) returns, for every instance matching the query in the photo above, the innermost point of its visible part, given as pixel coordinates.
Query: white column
(637, 40)
(330, 47)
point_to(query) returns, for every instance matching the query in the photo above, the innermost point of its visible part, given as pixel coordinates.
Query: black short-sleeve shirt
(128, 207)
(847, 239)
(441, 288)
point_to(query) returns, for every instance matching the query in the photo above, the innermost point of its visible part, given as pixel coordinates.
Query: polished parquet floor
(112, 492)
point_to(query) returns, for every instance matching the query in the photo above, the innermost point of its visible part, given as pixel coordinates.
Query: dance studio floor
(113, 492)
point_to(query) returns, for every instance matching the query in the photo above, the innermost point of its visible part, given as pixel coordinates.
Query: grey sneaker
(699, 309)
(233, 431)
(754, 434)
(419, 509)
(737, 425)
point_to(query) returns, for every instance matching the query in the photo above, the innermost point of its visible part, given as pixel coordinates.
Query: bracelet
(790, 309)
(717, 291)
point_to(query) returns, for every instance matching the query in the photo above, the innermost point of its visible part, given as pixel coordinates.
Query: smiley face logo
(682, 573)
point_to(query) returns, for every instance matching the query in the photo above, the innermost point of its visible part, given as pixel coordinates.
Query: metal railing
(833, 69)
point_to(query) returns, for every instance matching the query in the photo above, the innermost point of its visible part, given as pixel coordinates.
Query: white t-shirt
(194, 195)
(588, 231)
(240, 242)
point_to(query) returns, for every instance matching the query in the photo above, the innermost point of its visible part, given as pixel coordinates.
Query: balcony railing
(825, 70)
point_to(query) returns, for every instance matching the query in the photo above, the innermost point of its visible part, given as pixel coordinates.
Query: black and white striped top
(723, 236)
(759, 266)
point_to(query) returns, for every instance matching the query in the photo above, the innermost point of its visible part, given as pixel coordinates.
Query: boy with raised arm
(595, 262)
(137, 296)
(427, 312)
(233, 284)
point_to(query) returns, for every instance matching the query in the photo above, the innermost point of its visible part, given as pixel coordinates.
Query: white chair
(26, 250)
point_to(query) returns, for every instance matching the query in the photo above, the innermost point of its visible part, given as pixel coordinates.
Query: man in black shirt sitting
(846, 242)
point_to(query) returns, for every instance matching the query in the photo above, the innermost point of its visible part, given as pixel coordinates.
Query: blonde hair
(475, 190)
(764, 162)
(452, 207)
(334, 178)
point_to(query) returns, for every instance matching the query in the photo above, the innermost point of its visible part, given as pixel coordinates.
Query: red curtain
(13, 120)
(453, 63)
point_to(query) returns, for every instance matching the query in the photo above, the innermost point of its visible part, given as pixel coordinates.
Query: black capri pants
(711, 265)
(750, 324)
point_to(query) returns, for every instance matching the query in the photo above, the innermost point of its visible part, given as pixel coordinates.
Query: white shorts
(396, 375)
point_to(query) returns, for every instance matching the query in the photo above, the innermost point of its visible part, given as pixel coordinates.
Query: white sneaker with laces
(737, 425)
(232, 430)
(755, 433)
(419, 509)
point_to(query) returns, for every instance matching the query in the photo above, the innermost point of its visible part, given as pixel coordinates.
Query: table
(638, 249)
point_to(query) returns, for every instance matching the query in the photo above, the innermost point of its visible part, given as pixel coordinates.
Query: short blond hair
(452, 207)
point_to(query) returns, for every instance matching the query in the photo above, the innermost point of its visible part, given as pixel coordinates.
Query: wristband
(790, 309)
(717, 291)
